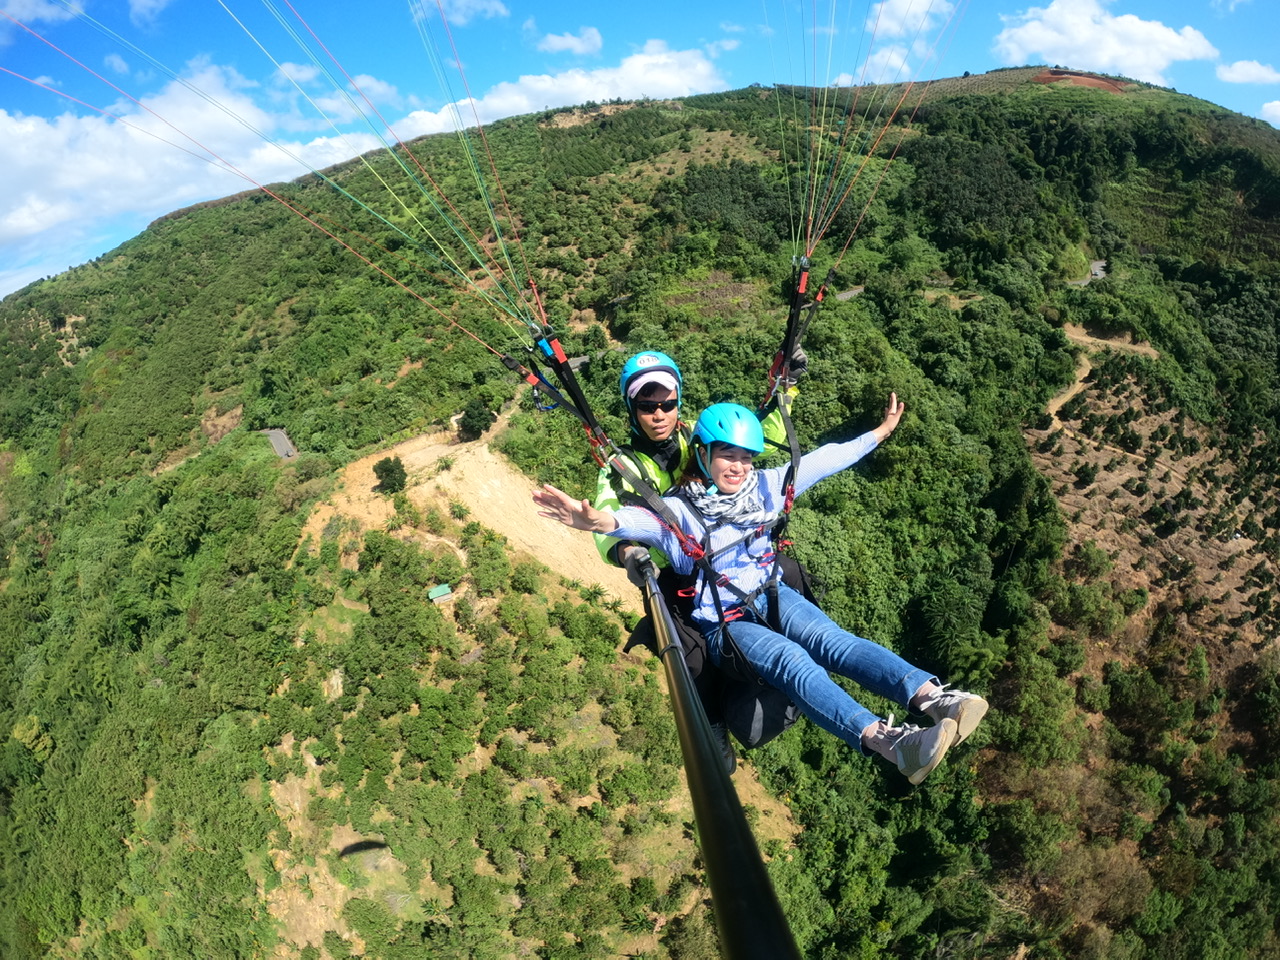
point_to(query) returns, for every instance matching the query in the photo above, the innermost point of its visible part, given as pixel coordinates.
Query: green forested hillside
(205, 708)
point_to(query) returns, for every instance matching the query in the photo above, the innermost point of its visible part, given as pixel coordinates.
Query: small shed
(439, 594)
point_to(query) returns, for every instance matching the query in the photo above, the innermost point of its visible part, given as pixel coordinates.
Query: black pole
(748, 915)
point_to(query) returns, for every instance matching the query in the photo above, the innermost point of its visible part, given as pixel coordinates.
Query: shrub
(391, 475)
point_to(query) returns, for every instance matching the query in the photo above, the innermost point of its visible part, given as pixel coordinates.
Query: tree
(390, 474)
(476, 419)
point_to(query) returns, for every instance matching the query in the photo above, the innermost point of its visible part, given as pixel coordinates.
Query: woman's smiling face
(730, 466)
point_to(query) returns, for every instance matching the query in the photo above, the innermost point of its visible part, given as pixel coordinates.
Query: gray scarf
(745, 508)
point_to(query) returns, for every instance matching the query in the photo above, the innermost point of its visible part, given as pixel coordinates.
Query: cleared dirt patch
(1080, 79)
(581, 116)
(215, 426)
(309, 899)
(444, 470)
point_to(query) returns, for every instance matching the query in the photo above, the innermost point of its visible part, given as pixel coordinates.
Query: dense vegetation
(204, 709)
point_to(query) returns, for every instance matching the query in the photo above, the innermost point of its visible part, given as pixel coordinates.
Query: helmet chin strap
(705, 467)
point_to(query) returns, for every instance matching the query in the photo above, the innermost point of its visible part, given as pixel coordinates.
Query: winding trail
(1084, 365)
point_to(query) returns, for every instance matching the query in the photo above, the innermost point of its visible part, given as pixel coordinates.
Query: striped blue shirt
(748, 563)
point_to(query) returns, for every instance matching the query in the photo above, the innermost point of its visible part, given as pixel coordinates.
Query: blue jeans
(797, 662)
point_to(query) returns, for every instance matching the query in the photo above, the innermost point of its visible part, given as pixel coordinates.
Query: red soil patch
(1080, 80)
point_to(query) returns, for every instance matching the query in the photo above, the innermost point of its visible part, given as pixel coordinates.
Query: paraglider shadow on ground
(361, 846)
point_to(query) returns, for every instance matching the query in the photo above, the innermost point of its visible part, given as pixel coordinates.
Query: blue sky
(77, 181)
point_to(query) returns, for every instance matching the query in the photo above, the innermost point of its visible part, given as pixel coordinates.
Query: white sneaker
(966, 709)
(916, 750)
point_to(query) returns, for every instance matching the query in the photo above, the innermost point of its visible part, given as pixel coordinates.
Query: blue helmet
(642, 365)
(729, 423)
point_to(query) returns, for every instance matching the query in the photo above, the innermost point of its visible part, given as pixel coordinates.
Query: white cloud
(339, 108)
(1248, 71)
(887, 64)
(458, 12)
(1229, 4)
(378, 91)
(300, 73)
(310, 99)
(717, 47)
(655, 71)
(64, 197)
(115, 63)
(1082, 33)
(462, 12)
(728, 27)
(76, 186)
(904, 32)
(317, 154)
(904, 18)
(587, 42)
(352, 103)
(37, 11)
(1271, 113)
(145, 11)
(195, 100)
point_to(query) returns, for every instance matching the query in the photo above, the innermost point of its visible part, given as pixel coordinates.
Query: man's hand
(634, 559)
(799, 362)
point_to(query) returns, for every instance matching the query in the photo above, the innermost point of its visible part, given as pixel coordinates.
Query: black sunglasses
(653, 406)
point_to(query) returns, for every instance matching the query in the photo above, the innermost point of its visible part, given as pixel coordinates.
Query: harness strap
(654, 502)
(789, 481)
(772, 611)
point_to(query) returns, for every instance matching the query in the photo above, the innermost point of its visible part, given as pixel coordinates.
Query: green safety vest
(608, 484)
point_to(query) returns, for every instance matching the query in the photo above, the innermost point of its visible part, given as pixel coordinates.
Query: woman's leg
(786, 666)
(866, 662)
(875, 667)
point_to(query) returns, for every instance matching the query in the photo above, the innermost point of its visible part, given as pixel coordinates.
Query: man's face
(656, 412)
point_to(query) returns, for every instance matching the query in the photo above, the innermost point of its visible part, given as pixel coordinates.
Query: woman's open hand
(892, 417)
(579, 514)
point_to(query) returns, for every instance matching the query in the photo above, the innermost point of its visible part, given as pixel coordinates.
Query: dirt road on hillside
(1084, 366)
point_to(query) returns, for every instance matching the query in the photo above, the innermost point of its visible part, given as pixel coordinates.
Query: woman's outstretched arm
(627, 523)
(833, 457)
(579, 514)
